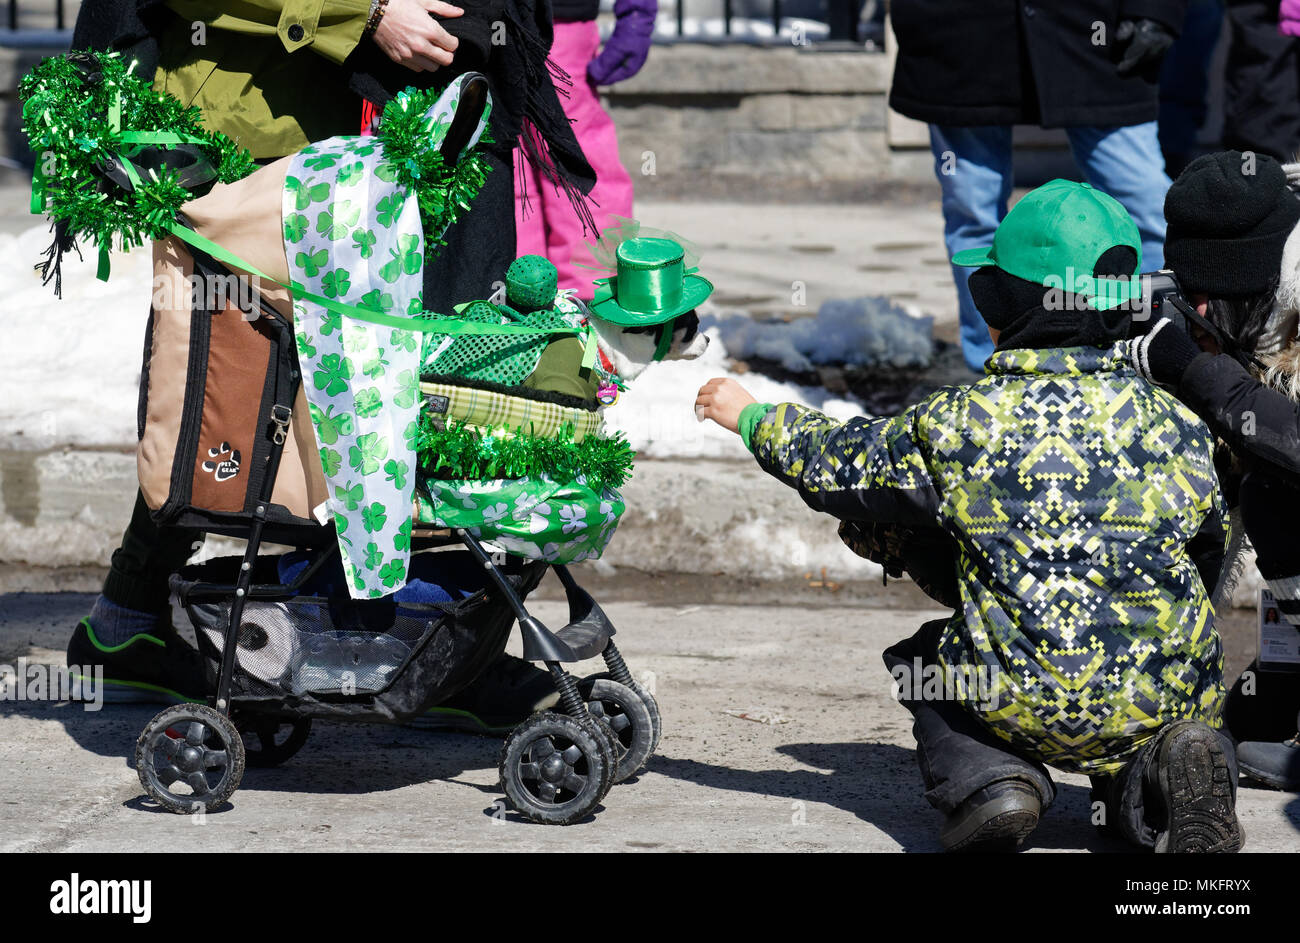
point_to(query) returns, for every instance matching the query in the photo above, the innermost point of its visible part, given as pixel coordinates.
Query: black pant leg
(149, 555)
(1263, 705)
(480, 245)
(957, 756)
(1261, 82)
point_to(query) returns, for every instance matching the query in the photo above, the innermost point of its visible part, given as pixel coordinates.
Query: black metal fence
(60, 18)
(773, 21)
(838, 21)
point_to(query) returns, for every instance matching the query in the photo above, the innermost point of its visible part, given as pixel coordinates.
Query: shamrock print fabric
(353, 233)
(536, 518)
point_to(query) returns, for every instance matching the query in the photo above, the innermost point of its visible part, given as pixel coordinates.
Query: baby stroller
(229, 440)
(280, 655)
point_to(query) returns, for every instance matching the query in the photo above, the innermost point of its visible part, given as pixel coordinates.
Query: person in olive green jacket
(276, 75)
(270, 76)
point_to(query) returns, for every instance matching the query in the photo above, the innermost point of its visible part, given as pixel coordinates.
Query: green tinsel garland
(460, 451)
(444, 192)
(66, 101)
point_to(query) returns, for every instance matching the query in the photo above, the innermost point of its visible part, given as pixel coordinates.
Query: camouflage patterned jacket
(1072, 489)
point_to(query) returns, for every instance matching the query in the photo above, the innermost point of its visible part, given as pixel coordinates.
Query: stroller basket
(312, 645)
(309, 655)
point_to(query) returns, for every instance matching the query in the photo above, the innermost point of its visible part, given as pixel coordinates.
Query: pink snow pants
(549, 225)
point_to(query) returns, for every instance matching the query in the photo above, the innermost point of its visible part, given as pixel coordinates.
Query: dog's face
(632, 349)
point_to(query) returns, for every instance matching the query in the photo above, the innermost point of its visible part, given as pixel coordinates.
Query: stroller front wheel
(628, 716)
(193, 746)
(554, 770)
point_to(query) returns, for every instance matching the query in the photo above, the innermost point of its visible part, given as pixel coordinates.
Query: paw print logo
(223, 469)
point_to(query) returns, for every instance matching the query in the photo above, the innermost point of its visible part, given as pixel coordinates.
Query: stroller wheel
(625, 713)
(190, 758)
(554, 769)
(648, 699)
(613, 750)
(269, 741)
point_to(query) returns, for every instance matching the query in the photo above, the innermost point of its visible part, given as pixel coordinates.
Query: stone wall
(763, 124)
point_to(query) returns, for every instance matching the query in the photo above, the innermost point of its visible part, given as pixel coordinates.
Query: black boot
(996, 818)
(1195, 797)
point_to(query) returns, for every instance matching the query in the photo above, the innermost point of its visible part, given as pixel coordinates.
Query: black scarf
(1019, 310)
(527, 110)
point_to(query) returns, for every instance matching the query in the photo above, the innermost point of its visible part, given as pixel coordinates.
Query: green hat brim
(1124, 290)
(972, 258)
(695, 290)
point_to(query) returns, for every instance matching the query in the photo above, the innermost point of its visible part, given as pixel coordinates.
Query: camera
(1162, 297)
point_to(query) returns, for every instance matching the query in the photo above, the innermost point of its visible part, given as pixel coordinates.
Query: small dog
(631, 349)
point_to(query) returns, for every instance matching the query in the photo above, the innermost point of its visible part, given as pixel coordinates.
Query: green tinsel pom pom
(459, 451)
(443, 191)
(66, 103)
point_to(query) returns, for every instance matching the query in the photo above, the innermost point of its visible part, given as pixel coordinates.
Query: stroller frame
(556, 766)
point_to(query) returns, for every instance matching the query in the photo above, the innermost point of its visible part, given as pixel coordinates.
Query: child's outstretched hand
(722, 399)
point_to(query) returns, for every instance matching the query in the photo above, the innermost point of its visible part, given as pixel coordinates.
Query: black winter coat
(1002, 62)
(1259, 423)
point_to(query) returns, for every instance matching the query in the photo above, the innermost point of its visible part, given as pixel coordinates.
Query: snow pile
(859, 332)
(657, 412)
(69, 368)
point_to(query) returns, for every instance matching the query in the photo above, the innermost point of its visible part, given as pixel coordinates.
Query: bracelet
(377, 8)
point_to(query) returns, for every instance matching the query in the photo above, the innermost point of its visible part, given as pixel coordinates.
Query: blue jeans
(974, 170)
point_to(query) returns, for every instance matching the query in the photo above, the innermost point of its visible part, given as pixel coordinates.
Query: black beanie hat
(1226, 227)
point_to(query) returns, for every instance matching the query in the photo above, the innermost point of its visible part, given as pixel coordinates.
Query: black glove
(1145, 43)
(1164, 354)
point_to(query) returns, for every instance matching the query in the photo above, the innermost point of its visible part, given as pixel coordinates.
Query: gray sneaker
(1276, 765)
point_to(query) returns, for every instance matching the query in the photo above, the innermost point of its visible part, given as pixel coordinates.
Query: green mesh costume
(1073, 490)
(508, 360)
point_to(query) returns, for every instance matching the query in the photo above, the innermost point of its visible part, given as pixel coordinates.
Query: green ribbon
(356, 312)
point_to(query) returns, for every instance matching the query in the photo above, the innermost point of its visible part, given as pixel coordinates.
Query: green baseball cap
(1054, 237)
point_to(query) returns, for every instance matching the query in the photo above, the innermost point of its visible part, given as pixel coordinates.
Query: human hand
(410, 36)
(722, 400)
(1163, 354)
(628, 46)
(1145, 43)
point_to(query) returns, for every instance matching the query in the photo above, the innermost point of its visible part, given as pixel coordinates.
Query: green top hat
(651, 285)
(1055, 235)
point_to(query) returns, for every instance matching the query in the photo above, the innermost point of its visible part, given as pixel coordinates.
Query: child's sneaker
(150, 667)
(507, 692)
(996, 818)
(1194, 781)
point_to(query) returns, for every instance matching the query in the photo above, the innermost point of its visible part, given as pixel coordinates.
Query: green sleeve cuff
(750, 417)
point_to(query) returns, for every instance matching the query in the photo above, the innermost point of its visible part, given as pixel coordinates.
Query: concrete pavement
(839, 776)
